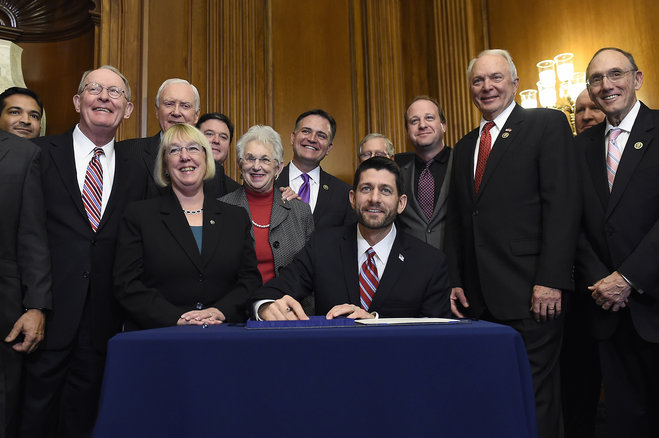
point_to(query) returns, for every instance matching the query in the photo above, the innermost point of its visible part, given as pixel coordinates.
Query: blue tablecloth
(461, 380)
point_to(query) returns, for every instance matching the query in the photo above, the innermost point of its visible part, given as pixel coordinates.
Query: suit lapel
(175, 222)
(120, 184)
(61, 152)
(324, 195)
(638, 142)
(282, 180)
(393, 270)
(501, 145)
(470, 142)
(3, 148)
(211, 230)
(596, 162)
(150, 151)
(348, 251)
(412, 202)
(279, 212)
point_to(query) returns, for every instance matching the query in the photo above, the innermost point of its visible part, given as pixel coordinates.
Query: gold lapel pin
(212, 222)
(505, 135)
(325, 187)
(638, 145)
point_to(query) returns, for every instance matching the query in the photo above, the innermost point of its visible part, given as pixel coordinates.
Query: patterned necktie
(483, 153)
(613, 156)
(426, 190)
(368, 280)
(92, 190)
(305, 188)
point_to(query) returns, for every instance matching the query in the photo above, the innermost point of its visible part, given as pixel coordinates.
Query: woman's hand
(209, 316)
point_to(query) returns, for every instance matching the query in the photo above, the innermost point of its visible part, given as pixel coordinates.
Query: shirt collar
(441, 157)
(501, 119)
(628, 122)
(382, 248)
(294, 172)
(83, 146)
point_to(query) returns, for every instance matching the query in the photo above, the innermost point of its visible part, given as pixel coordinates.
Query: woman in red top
(280, 228)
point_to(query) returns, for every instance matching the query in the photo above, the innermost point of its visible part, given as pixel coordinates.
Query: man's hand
(458, 294)
(611, 292)
(545, 303)
(210, 316)
(287, 194)
(349, 311)
(284, 309)
(31, 324)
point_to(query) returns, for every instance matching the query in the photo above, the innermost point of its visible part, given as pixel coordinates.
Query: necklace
(201, 210)
(260, 226)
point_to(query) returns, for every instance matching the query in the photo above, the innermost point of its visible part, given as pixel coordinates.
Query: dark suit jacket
(621, 228)
(333, 206)
(160, 274)
(24, 258)
(414, 283)
(81, 259)
(521, 228)
(413, 220)
(291, 224)
(146, 151)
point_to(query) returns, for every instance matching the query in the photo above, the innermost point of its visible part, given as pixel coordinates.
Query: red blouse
(260, 208)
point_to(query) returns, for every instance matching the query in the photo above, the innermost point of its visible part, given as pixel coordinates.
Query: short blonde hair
(182, 131)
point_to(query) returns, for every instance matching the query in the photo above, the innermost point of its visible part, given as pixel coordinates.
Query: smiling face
(311, 142)
(615, 98)
(21, 116)
(187, 169)
(376, 201)
(425, 129)
(100, 115)
(259, 167)
(492, 86)
(218, 135)
(178, 104)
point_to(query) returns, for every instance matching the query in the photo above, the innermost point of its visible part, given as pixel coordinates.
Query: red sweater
(260, 207)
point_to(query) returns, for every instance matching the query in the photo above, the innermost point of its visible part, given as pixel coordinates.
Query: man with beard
(365, 270)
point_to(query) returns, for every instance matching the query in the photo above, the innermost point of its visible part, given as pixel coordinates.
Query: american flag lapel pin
(400, 257)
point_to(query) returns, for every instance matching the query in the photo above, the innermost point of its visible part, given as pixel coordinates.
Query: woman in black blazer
(184, 258)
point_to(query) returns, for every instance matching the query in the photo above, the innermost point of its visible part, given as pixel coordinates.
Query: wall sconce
(570, 84)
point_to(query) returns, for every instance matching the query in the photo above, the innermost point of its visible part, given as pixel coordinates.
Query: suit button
(201, 277)
(85, 274)
(199, 306)
(429, 230)
(275, 244)
(93, 242)
(475, 213)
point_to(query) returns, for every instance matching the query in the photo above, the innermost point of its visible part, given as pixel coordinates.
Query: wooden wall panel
(53, 70)
(311, 68)
(540, 32)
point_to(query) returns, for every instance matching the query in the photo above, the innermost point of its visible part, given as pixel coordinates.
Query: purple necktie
(305, 188)
(426, 190)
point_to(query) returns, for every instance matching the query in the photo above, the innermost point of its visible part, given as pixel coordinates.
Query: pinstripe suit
(291, 224)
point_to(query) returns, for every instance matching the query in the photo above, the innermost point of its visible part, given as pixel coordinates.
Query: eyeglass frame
(176, 150)
(600, 78)
(252, 160)
(371, 154)
(110, 90)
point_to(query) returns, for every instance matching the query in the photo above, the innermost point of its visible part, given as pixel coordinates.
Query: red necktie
(368, 280)
(483, 154)
(92, 190)
(426, 190)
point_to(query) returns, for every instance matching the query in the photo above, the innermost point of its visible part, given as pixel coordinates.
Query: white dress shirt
(499, 121)
(295, 181)
(83, 151)
(625, 125)
(382, 250)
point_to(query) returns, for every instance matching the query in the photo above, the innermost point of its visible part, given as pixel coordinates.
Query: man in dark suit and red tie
(512, 223)
(618, 256)
(88, 179)
(363, 270)
(24, 270)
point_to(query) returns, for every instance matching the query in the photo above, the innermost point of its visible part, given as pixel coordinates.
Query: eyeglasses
(193, 149)
(613, 76)
(252, 160)
(95, 89)
(367, 155)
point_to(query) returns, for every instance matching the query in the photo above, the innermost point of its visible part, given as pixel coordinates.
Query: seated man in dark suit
(326, 195)
(365, 270)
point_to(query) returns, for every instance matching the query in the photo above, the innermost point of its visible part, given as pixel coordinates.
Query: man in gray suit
(426, 173)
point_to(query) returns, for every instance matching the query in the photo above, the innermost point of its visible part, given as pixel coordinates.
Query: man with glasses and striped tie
(363, 270)
(88, 179)
(618, 253)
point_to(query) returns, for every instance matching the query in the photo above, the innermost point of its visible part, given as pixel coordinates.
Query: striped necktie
(368, 280)
(613, 155)
(92, 190)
